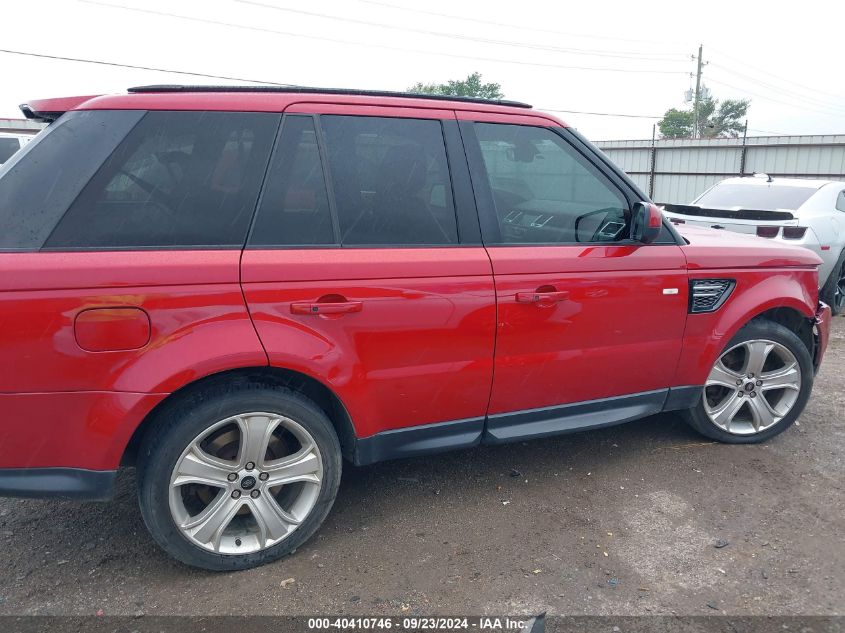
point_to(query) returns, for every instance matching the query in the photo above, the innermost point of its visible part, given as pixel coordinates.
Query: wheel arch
(309, 386)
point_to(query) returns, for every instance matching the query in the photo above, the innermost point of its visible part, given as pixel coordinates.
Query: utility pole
(695, 128)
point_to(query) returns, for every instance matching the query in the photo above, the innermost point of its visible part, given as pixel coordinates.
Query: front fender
(757, 291)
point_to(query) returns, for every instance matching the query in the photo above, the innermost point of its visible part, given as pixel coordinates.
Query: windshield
(768, 198)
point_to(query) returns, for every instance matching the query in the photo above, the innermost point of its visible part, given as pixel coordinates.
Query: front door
(589, 323)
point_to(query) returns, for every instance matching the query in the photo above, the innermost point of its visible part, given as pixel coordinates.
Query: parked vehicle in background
(237, 289)
(11, 143)
(808, 213)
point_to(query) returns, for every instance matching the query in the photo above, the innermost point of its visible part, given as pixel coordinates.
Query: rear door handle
(542, 297)
(317, 308)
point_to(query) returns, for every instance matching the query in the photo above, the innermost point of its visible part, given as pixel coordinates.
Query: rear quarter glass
(40, 182)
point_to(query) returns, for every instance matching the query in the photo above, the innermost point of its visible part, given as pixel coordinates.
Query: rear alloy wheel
(237, 476)
(246, 483)
(758, 386)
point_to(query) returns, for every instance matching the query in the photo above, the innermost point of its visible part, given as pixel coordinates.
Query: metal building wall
(678, 170)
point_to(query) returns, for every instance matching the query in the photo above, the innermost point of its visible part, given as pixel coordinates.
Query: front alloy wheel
(752, 387)
(757, 387)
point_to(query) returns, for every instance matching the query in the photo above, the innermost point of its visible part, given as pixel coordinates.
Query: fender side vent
(707, 295)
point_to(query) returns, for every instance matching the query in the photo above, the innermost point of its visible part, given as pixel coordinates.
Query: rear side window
(391, 180)
(179, 179)
(544, 191)
(294, 208)
(38, 183)
(840, 201)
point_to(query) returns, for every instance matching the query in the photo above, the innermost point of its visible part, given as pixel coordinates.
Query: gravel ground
(619, 521)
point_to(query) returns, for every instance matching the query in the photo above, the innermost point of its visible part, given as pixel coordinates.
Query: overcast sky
(548, 53)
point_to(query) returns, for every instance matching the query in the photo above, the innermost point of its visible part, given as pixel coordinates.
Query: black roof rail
(333, 91)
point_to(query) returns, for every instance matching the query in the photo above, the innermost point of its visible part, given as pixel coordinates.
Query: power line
(795, 96)
(477, 20)
(136, 67)
(259, 29)
(751, 129)
(771, 74)
(766, 98)
(639, 56)
(260, 81)
(631, 116)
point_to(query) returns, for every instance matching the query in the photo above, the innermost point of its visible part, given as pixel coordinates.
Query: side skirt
(503, 428)
(62, 483)
(535, 423)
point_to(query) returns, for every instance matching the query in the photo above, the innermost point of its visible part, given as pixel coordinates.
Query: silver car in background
(809, 213)
(11, 143)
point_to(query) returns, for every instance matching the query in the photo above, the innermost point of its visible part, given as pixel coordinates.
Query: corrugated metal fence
(678, 170)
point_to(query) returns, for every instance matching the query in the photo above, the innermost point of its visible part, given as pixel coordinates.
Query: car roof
(780, 182)
(263, 99)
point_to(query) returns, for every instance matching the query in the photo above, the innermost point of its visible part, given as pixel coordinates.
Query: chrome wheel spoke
(255, 435)
(756, 354)
(273, 522)
(208, 526)
(786, 378)
(303, 466)
(726, 412)
(198, 467)
(762, 414)
(724, 377)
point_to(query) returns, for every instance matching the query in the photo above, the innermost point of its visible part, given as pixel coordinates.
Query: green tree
(676, 124)
(715, 119)
(469, 87)
(727, 121)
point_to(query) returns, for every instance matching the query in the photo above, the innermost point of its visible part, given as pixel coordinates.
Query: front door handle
(318, 308)
(542, 298)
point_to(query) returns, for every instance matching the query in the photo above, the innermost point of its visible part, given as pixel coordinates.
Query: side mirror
(646, 222)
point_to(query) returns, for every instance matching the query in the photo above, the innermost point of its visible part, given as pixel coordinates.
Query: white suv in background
(11, 143)
(809, 213)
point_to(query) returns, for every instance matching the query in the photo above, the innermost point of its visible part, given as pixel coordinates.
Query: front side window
(391, 180)
(545, 192)
(179, 179)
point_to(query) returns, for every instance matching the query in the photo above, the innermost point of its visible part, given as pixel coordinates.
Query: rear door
(590, 324)
(364, 268)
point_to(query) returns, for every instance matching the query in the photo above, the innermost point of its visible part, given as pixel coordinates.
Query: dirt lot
(618, 521)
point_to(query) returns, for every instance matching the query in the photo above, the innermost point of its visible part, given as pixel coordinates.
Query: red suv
(235, 289)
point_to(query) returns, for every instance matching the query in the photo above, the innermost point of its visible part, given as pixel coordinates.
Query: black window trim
(463, 200)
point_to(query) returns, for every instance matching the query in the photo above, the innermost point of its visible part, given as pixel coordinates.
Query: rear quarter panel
(63, 405)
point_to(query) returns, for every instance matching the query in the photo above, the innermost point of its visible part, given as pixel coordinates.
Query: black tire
(764, 329)
(832, 291)
(184, 420)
